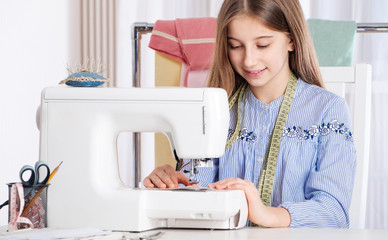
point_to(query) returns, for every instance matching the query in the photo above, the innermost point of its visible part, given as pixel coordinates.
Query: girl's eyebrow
(261, 37)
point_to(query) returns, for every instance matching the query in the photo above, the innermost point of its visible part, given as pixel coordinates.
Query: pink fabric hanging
(189, 40)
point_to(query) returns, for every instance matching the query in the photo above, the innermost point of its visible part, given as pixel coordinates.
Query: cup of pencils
(35, 197)
(28, 199)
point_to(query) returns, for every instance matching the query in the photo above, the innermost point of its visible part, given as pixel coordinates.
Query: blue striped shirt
(316, 161)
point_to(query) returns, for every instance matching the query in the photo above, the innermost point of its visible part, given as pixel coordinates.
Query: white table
(256, 233)
(262, 233)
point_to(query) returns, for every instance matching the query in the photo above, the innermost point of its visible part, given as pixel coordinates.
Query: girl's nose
(249, 60)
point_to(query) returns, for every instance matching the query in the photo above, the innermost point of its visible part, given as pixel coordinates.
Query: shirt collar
(275, 104)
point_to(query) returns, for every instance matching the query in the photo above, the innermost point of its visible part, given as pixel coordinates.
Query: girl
(290, 147)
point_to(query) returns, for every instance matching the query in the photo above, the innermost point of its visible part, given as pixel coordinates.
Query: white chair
(358, 79)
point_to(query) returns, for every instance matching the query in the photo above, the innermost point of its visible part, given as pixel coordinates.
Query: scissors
(35, 178)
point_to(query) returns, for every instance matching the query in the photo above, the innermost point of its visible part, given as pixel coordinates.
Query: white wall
(33, 55)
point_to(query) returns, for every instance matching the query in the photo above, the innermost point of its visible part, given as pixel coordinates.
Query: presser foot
(193, 181)
(194, 165)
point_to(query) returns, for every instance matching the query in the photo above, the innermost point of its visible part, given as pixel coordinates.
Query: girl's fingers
(165, 177)
(182, 178)
(224, 184)
(148, 183)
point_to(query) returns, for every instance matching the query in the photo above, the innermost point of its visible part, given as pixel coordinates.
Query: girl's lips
(255, 73)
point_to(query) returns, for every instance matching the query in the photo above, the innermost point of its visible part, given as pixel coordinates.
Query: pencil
(40, 191)
(54, 172)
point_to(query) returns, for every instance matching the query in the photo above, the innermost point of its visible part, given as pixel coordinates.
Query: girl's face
(260, 56)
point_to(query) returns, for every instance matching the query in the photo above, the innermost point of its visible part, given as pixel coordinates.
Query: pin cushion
(84, 78)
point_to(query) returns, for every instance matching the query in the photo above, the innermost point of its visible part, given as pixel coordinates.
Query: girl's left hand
(255, 205)
(257, 211)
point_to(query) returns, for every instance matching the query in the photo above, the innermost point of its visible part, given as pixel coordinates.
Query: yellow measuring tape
(268, 169)
(236, 98)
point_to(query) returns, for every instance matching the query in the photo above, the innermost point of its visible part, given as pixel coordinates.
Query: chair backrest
(358, 80)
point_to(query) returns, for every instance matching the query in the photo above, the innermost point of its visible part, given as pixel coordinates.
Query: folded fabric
(189, 40)
(333, 41)
(195, 78)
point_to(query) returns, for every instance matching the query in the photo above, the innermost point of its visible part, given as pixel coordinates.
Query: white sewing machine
(80, 126)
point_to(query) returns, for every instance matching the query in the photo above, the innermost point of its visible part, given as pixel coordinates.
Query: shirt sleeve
(329, 187)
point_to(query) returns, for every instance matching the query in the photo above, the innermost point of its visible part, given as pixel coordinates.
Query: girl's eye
(262, 46)
(234, 46)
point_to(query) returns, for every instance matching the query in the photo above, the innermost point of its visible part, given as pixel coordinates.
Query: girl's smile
(255, 73)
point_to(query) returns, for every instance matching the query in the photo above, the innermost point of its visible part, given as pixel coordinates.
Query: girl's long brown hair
(280, 15)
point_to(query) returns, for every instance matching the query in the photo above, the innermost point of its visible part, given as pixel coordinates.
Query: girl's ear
(291, 46)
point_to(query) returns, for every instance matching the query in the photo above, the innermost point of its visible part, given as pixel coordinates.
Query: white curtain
(373, 49)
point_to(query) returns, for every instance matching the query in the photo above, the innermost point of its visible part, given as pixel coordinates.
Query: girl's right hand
(165, 177)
